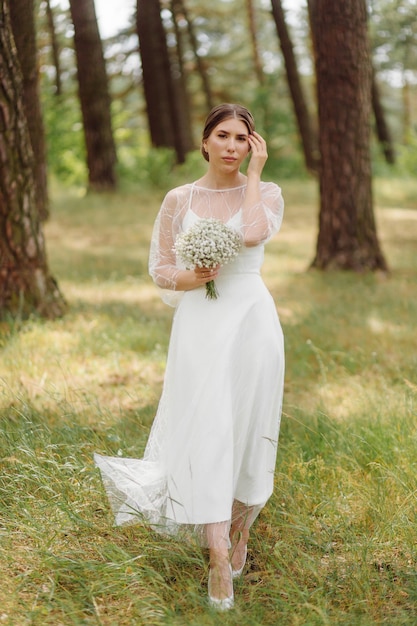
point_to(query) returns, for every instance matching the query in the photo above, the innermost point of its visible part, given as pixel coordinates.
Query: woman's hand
(206, 274)
(259, 154)
(191, 279)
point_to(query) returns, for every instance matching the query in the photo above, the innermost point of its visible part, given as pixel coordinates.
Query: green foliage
(272, 109)
(336, 542)
(393, 29)
(407, 156)
(405, 164)
(64, 138)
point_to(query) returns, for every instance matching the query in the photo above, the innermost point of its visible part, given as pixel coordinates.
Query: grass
(336, 543)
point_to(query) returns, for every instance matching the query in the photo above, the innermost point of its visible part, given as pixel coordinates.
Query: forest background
(225, 44)
(337, 542)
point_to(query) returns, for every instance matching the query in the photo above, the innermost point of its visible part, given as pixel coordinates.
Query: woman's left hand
(259, 154)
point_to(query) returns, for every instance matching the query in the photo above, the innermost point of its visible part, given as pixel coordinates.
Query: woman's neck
(217, 180)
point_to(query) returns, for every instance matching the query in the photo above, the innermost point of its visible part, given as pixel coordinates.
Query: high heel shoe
(221, 604)
(238, 572)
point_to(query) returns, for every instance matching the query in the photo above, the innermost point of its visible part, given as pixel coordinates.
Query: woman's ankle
(220, 582)
(239, 536)
(239, 550)
(219, 558)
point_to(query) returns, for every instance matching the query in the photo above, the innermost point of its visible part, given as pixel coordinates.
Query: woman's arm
(261, 214)
(162, 261)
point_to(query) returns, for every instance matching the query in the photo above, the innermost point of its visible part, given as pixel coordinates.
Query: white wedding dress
(214, 439)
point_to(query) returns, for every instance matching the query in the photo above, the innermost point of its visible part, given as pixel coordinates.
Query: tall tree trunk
(163, 107)
(26, 285)
(406, 109)
(94, 97)
(201, 67)
(382, 129)
(254, 40)
(54, 48)
(180, 82)
(347, 233)
(305, 126)
(23, 27)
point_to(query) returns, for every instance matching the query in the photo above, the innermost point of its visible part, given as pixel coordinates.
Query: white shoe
(238, 572)
(221, 604)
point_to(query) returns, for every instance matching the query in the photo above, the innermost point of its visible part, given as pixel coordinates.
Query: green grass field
(337, 543)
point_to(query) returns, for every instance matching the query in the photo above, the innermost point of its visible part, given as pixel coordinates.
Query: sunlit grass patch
(396, 193)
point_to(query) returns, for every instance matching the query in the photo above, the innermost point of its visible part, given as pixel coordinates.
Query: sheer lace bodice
(256, 224)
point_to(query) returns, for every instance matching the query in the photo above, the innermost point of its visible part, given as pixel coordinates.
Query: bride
(208, 467)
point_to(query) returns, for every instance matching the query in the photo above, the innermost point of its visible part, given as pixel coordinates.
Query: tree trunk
(305, 127)
(23, 27)
(163, 108)
(347, 233)
(180, 82)
(26, 285)
(94, 97)
(382, 129)
(54, 48)
(254, 40)
(407, 126)
(201, 67)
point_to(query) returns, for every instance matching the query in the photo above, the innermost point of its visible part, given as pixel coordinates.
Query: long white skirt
(213, 443)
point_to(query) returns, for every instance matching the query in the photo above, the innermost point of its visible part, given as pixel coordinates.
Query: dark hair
(224, 112)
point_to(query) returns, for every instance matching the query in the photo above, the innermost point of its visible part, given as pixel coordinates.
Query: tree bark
(24, 33)
(347, 236)
(254, 40)
(26, 285)
(307, 133)
(382, 129)
(201, 66)
(162, 105)
(94, 97)
(406, 98)
(54, 48)
(180, 80)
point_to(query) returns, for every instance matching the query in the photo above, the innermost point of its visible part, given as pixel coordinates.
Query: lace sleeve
(162, 262)
(262, 220)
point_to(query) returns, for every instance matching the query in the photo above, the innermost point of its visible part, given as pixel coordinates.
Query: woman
(209, 463)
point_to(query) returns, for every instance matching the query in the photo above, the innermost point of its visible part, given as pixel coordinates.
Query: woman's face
(227, 145)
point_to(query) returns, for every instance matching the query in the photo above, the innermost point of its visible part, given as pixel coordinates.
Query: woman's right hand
(191, 279)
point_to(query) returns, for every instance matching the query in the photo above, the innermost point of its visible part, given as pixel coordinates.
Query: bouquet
(207, 243)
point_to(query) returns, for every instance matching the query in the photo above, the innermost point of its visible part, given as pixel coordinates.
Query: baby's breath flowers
(208, 243)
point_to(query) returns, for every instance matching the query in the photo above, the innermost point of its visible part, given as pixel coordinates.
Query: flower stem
(211, 290)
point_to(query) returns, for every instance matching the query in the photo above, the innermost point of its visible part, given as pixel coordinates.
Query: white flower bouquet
(208, 243)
